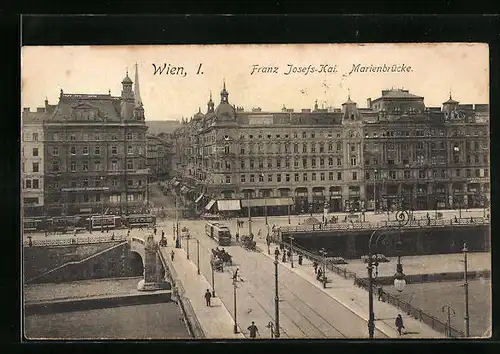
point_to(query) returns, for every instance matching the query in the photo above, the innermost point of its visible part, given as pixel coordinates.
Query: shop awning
(231, 204)
(260, 202)
(199, 198)
(210, 204)
(176, 183)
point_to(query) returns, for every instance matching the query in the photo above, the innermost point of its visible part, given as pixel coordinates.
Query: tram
(219, 233)
(140, 220)
(103, 221)
(32, 224)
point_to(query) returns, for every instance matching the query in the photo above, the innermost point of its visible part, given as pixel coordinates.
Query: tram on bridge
(219, 233)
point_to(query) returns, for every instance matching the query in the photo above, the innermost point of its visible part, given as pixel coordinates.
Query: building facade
(95, 153)
(394, 151)
(32, 162)
(158, 157)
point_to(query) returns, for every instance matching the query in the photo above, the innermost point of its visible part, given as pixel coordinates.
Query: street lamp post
(213, 283)
(198, 255)
(291, 250)
(374, 191)
(466, 289)
(276, 298)
(235, 280)
(187, 246)
(449, 310)
(322, 251)
(288, 209)
(102, 208)
(402, 217)
(249, 215)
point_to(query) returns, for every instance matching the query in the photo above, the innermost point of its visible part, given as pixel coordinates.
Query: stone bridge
(154, 271)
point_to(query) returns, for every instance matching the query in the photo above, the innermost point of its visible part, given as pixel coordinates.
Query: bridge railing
(192, 323)
(406, 307)
(74, 241)
(347, 225)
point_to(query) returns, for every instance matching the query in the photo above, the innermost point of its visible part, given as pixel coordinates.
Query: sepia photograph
(256, 191)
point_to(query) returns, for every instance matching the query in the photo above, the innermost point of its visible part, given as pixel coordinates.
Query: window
(322, 176)
(261, 178)
(287, 177)
(269, 178)
(486, 172)
(304, 177)
(242, 179)
(278, 177)
(114, 151)
(85, 150)
(22, 166)
(457, 172)
(390, 146)
(55, 136)
(339, 146)
(304, 147)
(35, 167)
(28, 183)
(73, 167)
(367, 175)
(443, 173)
(252, 178)
(313, 147)
(304, 163)
(354, 176)
(330, 146)
(55, 151)
(390, 162)
(322, 162)
(353, 161)
(420, 145)
(313, 162)
(407, 174)
(468, 172)
(242, 164)
(129, 136)
(242, 150)
(35, 152)
(72, 137)
(228, 179)
(330, 176)
(353, 147)
(339, 161)
(97, 165)
(130, 151)
(477, 173)
(296, 163)
(114, 182)
(287, 163)
(97, 150)
(228, 165)
(72, 150)
(252, 164)
(421, 174)
(97, 182)
(392, 174)
(304, 135)
(85, 166)
(97, 136)
(296, 177)
(295, 148)
(278, 163)
(130, 182)
(85, 182)
(114, 137)
(321, 147)
(330, 161)
(130, 165)
(313, 176)
(339, 176)
(35, 136)
(261, 164)
(269, 164)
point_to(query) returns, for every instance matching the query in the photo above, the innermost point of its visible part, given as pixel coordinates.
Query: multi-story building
(275, 159)
(32, 163)
(431, 157)
(395, 150)
(95, 153)
(158, 156)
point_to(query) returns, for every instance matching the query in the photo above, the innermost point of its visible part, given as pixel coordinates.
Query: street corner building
(90, 150)
(395, 151)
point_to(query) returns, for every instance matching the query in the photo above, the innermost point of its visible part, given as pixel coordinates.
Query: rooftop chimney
(369, 102)
(26, 110)
(40, 109)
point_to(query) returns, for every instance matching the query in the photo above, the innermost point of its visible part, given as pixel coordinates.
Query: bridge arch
(136, 263)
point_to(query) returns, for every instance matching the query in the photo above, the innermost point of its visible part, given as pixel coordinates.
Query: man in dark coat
(208, 296)
(253, 330)
(399, 323)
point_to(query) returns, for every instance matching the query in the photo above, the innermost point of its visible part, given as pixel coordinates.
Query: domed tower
(127, 99)
(349, 109)
(127, 92)
(210, 104)
(224, 95)
(449, 106)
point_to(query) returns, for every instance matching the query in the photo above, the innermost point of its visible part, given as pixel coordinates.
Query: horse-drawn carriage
(221, 258)
(248, 243)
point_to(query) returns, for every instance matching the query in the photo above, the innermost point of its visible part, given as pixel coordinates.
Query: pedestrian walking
(128, 232)
(237, 237)
(253, 330)
(300, 259)
(380, 293)
(399, 324)
(154, 231)
(208, 296)
(318, 275)
(172, 255)
(113, 237)
(107, 229)
(315, 266)
(276, 252)
(258, 233)
(162, 234)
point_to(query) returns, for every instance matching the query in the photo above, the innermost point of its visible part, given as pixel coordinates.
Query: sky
(435, 70)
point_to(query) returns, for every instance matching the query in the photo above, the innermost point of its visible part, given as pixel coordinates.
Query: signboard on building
(259, 119)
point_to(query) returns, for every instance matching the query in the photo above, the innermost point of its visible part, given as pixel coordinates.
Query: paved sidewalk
(215, 320)
(356, 300)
